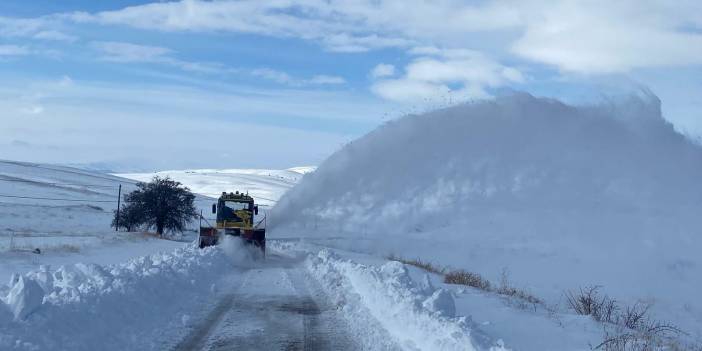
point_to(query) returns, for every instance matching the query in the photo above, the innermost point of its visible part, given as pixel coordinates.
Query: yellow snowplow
(235, 216)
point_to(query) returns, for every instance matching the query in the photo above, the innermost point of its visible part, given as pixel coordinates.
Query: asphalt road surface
(273, 306)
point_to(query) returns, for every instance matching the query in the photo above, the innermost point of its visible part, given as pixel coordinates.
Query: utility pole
(119, 198)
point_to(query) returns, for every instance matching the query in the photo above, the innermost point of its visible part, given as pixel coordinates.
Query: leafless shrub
(417, 262)
(634, 316)
(588, 302)
(654, 336)
(633, 330)
(623, 341)
(467, 278)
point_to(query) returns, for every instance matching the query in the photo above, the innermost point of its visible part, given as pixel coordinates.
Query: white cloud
(65, 81)
(383, 70)
(284, 78)
(42, 28)
(583, 36)
(54, 35)
(32, 110)
(128, 52)
(605, 37)
(455, 75)
(133, 53)
(273, 75)
(20, 27)
(344, 42)
(324, 79)
(13, 50)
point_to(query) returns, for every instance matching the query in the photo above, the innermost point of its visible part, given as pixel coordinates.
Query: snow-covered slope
(66, 213)
(559, 196)
(40, 198)
(265, 185)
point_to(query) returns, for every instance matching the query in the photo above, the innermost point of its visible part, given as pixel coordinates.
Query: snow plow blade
(255, 237)
(252, 236)
(208, 237)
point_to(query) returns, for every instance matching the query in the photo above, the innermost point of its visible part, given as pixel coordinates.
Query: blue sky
(184, 84)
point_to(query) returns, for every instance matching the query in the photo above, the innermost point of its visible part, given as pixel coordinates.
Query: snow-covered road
(274, 306)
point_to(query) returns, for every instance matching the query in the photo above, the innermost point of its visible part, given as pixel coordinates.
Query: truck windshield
(235, 206)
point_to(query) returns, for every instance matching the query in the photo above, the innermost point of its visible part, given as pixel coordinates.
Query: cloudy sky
(135, 85)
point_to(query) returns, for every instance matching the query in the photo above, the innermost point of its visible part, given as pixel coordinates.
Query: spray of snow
(517, 152)
(239, 253)
(562, 196)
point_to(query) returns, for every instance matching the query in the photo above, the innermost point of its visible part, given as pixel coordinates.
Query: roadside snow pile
(136, 305)
(559, 196)
(418, 316)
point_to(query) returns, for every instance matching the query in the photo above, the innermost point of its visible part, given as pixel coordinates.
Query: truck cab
(235, 211)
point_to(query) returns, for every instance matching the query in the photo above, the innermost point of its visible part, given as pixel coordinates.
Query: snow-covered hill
(41, 198)
(559, 196)
(265, 185)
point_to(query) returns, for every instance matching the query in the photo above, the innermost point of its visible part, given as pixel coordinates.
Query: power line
(55, 199)
(59, 184)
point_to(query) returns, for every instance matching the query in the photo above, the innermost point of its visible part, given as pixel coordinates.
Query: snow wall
(559, 196)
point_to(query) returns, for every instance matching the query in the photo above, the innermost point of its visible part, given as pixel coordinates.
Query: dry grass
(471, 279)
(68, 248)
(475, 280)
(425, 265)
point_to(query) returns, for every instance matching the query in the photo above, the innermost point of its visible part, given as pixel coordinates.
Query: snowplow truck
(235, 216)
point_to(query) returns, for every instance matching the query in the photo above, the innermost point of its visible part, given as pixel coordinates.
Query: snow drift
(561, 196)
(142, 304)
(418, 316)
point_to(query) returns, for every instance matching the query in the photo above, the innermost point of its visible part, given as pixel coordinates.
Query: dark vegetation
(162, 204)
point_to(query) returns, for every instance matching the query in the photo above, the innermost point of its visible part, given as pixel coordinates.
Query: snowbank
(560, 196)
(418, 316)
(140, 304)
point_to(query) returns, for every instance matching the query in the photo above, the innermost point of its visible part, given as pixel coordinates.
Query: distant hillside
(265, 185)
(42, 198)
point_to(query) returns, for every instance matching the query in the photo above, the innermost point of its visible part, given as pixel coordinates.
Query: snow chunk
(426, 285)
(25, 297)
(441, 302)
